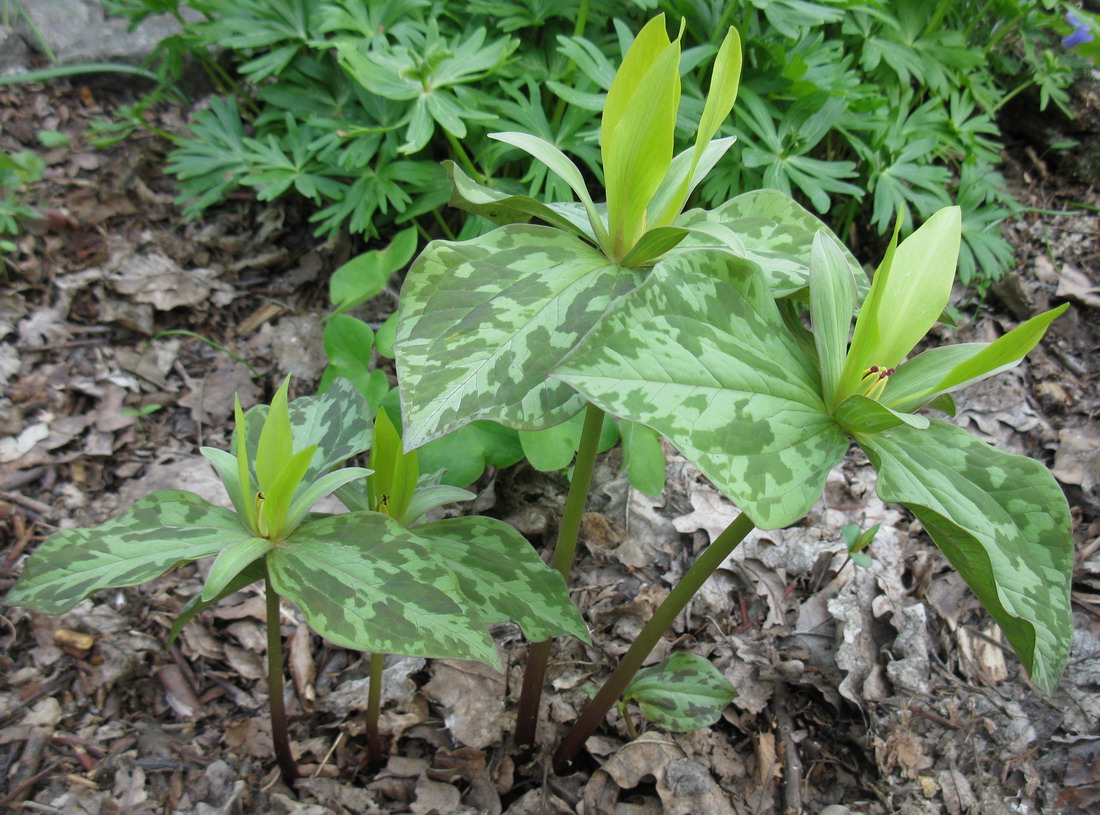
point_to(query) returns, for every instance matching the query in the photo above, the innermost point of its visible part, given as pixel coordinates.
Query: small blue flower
(1081, 33)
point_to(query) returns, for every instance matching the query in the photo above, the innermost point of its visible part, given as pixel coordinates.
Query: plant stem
(275, 703)
(578, 31)
(650, 635)
(374, 704)
(464, 157)
(528, 713)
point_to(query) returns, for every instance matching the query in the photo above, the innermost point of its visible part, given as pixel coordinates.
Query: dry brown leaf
(473, 697)
(958, 796)
(302, 668)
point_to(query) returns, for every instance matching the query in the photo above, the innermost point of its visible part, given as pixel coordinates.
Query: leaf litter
(880, 688)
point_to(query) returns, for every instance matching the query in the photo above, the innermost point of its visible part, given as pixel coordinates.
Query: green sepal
(944, 372)
(502, 208)
(429, 497)
(251, 573)
(314, 492)
(832, 302)
(226, 466)
(563, 167)
(859, 414)
(1003, 523)
(163, 530)
(653, 244)
(233, 559)
(683, 693)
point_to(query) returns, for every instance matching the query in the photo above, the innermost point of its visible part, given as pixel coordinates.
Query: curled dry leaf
(303, 671)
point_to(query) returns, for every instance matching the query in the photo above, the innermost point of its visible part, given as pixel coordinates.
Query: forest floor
(880, 689)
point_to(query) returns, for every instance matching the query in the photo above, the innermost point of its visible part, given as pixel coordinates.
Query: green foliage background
(856, 107)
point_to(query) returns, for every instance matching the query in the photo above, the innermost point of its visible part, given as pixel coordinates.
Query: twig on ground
(792, 762)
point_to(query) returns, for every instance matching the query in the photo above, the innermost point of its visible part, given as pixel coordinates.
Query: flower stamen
(874, 381)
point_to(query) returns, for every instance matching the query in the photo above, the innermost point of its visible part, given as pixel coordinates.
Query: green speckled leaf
(684, 693)
(364, 581)
(482, 323)
(711, 367)
(165, 529)
(1002, 521)
(501, 574)
(770, 229)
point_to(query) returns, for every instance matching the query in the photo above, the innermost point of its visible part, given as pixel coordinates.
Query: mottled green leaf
(711, 367)
(364, 581)
(683, 693)
(483, 322)
(165, 529)
(772, 230)
(1001, 520)
(502, 575)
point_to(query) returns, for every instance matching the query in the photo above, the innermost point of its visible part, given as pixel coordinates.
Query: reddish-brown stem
(279, 734)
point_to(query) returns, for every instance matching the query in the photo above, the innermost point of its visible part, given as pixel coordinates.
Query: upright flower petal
(908, 294)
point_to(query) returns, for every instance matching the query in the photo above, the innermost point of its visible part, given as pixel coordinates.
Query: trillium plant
(484, 322)
(701, 352)
(370, 579)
